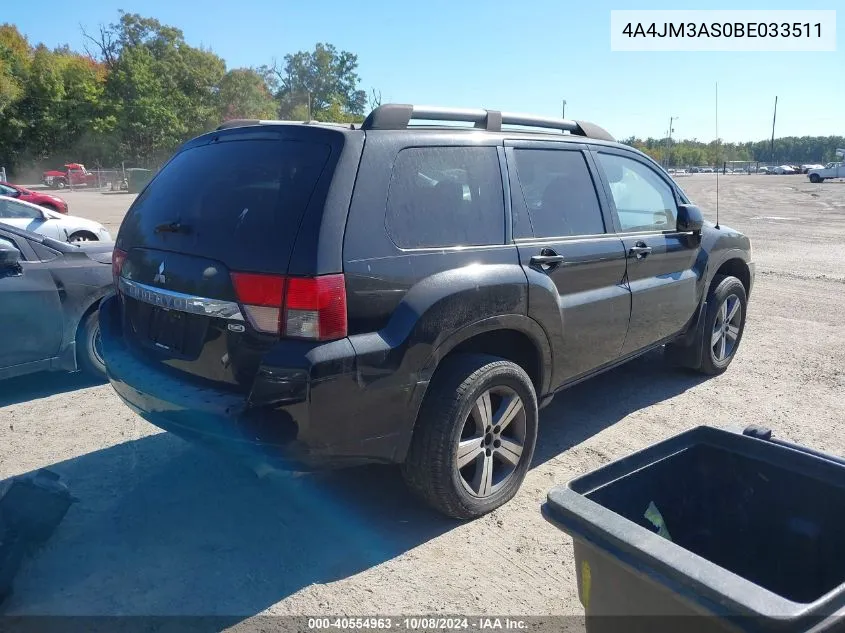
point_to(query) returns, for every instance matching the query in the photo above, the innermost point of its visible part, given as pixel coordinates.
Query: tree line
(788, 149)
(138, 90)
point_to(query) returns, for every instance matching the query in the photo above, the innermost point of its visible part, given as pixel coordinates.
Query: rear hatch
(227, 205)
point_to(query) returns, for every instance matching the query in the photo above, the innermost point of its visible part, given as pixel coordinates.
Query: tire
(727, 292)
(82, 236)
(89, 357)
(60, 183)
(815, 178)
(451, 414)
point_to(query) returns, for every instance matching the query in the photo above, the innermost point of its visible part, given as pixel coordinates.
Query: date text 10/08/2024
(724, 29)
(418, 623)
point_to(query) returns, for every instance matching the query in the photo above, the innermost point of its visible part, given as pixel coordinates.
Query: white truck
(831, 170)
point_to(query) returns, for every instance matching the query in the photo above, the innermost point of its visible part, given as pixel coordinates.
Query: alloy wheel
(726, 328)
(492, 441)
(97, 347)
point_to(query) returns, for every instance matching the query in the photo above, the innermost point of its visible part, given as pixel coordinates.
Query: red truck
(73, 175)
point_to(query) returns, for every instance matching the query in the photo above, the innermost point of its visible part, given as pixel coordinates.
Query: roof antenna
(718, 154)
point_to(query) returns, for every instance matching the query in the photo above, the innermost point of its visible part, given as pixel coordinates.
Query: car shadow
(585, 409)
(167, 528)
(43, 384)
(163, 527)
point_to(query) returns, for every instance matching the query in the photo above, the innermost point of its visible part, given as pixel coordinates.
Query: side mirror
(10, 257)
(689, 219)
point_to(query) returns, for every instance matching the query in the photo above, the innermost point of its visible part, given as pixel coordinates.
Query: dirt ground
(163, 528)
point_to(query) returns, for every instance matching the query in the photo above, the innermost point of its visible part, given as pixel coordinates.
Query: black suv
(311, 294)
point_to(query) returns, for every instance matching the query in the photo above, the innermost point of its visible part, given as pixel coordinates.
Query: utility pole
(774, 118)
(563, 110)
(669, 137)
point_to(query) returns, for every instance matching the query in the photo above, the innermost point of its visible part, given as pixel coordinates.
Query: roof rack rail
(247, 122)
(397, 116)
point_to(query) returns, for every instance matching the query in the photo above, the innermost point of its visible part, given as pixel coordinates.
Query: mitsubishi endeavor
(411, 290)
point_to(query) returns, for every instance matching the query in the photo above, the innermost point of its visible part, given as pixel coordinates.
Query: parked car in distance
(806, 168)
(73, 174)
(49, 295)
(31, 217)
(330, 295)
(782, 170)
(46, 200)
(831, 170)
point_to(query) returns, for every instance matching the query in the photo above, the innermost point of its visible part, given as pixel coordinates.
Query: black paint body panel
(355, 400)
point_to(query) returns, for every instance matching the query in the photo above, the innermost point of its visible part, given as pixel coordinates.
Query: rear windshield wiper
(173, 227)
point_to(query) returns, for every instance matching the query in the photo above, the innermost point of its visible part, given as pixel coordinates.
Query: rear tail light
(316, 307)
(300, 307)
(262, 297)
(117, 258)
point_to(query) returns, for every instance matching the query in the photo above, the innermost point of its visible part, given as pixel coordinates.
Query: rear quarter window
(444, 197)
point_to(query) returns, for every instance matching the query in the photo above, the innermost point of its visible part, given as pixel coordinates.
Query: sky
(515, 56)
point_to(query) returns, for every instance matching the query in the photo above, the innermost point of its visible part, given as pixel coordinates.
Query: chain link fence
(76, 176)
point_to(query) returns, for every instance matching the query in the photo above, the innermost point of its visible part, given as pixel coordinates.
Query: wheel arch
(68, 354)
(514, 337)
(735, 266)
(86, 233)
(497, 336)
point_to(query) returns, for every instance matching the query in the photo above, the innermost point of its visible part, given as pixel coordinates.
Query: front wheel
(89, 347)
(815, 178)
(724, 324)
(475, 436)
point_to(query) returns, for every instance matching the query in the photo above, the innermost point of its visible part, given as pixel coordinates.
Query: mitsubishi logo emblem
(159, 277)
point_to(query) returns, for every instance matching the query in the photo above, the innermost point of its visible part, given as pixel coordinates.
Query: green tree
(322, 80)
(159, 92)
(243, 94)
(14, 65)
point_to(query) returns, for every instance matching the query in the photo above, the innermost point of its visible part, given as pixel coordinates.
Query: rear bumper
(304, 411)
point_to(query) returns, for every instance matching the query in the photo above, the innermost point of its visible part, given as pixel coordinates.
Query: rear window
(237, 201)
(446, 196)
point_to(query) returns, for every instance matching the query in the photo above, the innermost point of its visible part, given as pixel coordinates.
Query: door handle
(639, 250)
(546, 259)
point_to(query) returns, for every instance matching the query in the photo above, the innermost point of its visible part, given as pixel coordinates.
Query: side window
(446, 196)
(14, 210)
(559, 192)
(7, 191)
(644, 201)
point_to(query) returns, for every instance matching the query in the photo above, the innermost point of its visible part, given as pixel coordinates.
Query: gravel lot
(166, 528)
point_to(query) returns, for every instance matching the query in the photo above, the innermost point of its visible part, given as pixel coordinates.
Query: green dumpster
(137, 179)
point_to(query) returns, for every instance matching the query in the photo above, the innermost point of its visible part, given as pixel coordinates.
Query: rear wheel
(474, 437)
(89, 346)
